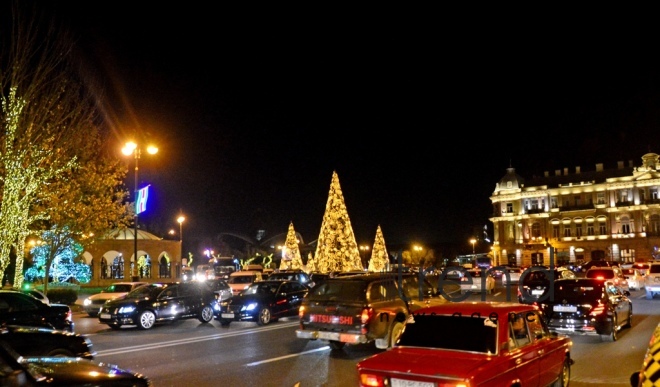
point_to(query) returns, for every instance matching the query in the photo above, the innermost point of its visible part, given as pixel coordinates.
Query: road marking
(171, 343)
(327, 347)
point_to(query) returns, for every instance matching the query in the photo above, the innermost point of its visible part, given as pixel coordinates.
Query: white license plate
(562, 308)
(227, 315)
(410, 383)
(537, 292)
(105, 315)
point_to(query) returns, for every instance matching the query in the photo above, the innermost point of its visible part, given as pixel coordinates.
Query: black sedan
(17, 308)
(536, 282)
(262, 302)
(159, 302)
(17, 370)
(33, 341)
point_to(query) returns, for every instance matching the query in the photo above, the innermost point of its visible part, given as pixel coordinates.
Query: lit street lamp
(128, 149)
(473, 241)
(181, 219)
(365, 249)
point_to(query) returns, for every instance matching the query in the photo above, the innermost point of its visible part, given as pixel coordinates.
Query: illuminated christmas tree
(379, 258)
(291, 259)
(336, 248)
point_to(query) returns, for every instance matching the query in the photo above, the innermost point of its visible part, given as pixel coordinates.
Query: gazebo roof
(127, 233)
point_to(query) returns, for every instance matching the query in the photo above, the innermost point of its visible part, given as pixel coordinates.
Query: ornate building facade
(609, 214)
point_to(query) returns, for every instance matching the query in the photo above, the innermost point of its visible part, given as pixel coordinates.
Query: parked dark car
(536, 282)
(34, 341)
(17, 370)
(18, 308)
(263, 302)
(589, 307)
(159, 302)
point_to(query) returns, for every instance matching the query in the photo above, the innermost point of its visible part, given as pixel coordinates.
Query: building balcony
(579, 207)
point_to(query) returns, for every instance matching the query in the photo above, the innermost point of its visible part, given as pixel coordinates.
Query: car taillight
(597, 310)
(365, 316)
(301, 311)
(69, 316)
(372, 380)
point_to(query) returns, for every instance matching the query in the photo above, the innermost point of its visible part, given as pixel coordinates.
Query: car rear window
(655, 269)
(576, 291)
(600, 273)
(472, 334)
(339, 290)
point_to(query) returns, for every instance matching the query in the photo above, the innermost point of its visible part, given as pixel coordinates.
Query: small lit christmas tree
(336, 248)
(379, 258)
(291, 259)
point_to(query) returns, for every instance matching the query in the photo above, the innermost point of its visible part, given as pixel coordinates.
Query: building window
(601, 197)
(654, 225)
(578, 230)
(577, 201)
(654, 193)
(567, 230)
(555, 231)
(534, 204)
(625, 225)
(509, 208)
(590, 229)
(602, 228)
(642, 195)
(553, 202)
(536, 230)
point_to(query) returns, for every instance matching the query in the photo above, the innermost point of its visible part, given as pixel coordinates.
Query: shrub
(63, 295)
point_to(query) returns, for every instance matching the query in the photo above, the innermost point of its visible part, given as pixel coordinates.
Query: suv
(93, 303)
(364, 308)
(588, 306)
(652, 280)
(240, 280)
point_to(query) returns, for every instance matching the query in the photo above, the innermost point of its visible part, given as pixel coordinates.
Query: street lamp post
(128, 149)
(365, 250)
(473, 241)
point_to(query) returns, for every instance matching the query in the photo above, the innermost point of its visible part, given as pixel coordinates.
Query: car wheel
(336, 345)
(395, 332)
(146, 320)
(564, 375)
(206, 315)
(615, 333)
(225, 323)
(264, 316)
(60, 352)
(629, 322)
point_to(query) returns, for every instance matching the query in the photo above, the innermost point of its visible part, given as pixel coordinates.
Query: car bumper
(118, 319)
(332, 336)
(581, 327)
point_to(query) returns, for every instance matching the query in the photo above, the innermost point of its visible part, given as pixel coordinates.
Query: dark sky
(420, 112)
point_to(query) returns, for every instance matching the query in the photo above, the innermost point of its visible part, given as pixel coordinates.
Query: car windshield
(344, 290)
(262, 288)
(240, 279)
(146, 291)
(118, 288)
(470, 334)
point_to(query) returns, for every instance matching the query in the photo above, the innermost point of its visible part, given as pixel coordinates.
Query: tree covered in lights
(62, 264)
(336, 248)
(379, 259)
(54, 174)
(291, 259)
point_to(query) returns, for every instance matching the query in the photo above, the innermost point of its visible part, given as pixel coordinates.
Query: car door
(550, 353)
(295, 292)
(169, 305)
(620, 303)
(523, 350)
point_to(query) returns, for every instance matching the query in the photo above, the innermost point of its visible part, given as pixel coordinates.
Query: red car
(472, 344)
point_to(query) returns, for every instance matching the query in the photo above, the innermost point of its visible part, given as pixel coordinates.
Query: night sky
(420, 112)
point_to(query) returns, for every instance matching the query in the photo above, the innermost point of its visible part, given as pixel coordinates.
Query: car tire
(264, 317)
(60, 352)
(206, 315)
(336, 345)
(615, 333)
(630, 315)
(564, 375)
(395, 332)
(146, 320)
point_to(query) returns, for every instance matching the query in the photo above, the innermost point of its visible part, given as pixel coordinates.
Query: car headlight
(250, 306)
(87, 302)
(126, 309)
